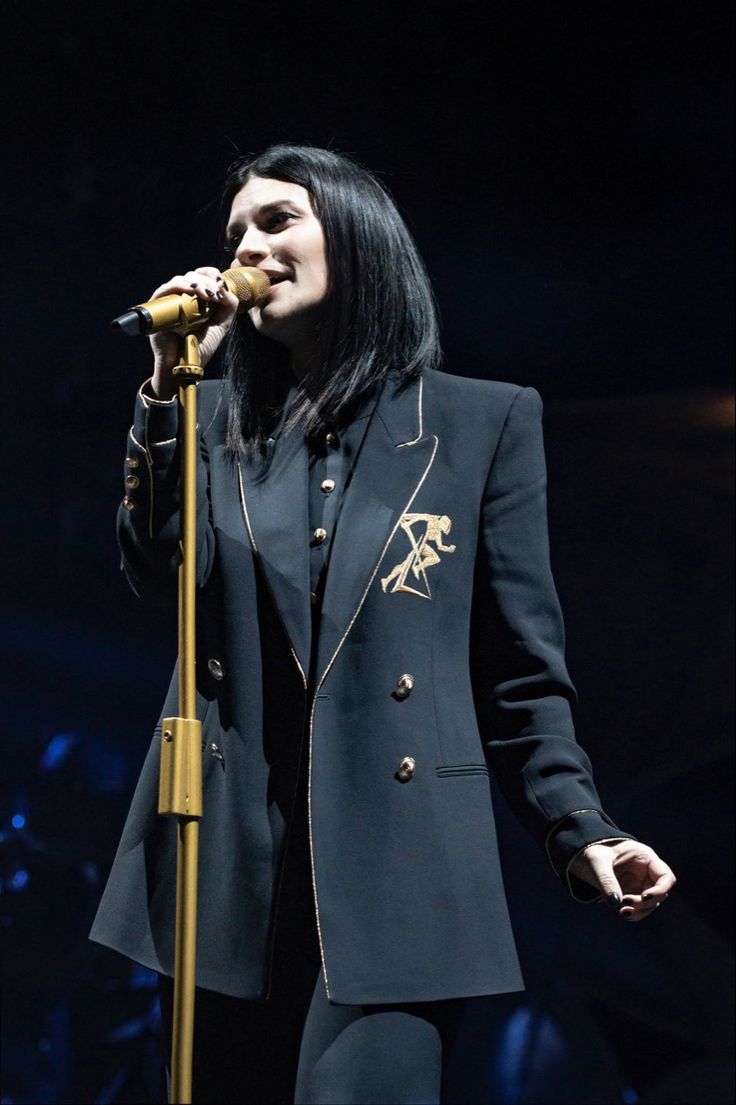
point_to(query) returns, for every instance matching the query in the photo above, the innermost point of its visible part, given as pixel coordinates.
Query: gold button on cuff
(404, 686)
(131, 481)
(128, 503)
(319, 535)
(327, 486)
(330, 438)
(406, 769)
(216, 669)
(132, 462)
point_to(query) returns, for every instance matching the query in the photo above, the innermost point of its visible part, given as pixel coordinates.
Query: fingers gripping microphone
(183, 313)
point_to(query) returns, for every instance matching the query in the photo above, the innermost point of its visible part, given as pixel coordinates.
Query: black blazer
(439, 571)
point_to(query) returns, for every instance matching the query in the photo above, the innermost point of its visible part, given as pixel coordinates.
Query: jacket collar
(401, 410)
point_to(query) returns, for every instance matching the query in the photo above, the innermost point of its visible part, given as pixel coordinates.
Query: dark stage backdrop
(565, 169)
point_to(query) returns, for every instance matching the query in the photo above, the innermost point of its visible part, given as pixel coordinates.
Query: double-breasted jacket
(437, 659)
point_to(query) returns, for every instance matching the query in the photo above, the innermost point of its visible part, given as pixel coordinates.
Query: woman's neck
(305, 367)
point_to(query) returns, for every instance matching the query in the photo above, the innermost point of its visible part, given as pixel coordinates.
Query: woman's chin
(267, 320)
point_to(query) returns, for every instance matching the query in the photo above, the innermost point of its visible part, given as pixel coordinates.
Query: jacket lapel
(275, 509)
(393, 463)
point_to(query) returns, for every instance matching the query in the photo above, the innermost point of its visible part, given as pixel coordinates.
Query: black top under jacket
(331, 458)
(434, 656)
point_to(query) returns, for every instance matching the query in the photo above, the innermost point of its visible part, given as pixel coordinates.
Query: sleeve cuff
(156, 421)
(149, 399)
(570, 835)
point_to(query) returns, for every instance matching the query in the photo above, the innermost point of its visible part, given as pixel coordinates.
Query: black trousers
(313, 1052)
(297, 1047)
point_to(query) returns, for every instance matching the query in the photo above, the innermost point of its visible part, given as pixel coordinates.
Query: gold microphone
(183, 313)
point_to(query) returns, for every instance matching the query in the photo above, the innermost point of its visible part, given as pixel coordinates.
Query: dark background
(565, 169)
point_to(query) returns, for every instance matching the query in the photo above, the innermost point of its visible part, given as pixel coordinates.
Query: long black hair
(379, 312)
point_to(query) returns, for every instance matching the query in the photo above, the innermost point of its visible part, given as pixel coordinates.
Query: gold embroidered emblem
(422, 555)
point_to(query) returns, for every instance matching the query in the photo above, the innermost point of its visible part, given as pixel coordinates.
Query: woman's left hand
(631, 876)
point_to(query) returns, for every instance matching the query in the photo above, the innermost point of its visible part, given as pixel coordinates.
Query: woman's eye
(272, 222)
(277, 218)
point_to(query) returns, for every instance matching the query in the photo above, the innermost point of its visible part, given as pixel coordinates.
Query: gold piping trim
(149, 401)
(135, 440)
(246, 516)
(421, 417)
(559, 821)
(321, 681)
(311, 846)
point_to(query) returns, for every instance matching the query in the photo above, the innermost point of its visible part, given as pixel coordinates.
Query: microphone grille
(248, 284)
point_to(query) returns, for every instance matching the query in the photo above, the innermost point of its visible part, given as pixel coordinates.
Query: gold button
(330, 438)
(216, 669)
(320, 535)
(327, 486)
(406, 769)
(131, 481)
(132, 462)
(128, 503)
(404, 686)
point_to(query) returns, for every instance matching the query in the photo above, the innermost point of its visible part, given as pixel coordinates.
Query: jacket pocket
(451, 770)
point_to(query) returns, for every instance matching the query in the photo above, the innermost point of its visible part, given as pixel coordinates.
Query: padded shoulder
(465, 389)
(467, 407)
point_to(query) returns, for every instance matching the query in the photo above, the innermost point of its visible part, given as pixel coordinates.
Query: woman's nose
(252, 247)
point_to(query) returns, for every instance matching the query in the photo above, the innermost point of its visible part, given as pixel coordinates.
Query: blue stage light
(19, 880)
(57, 750)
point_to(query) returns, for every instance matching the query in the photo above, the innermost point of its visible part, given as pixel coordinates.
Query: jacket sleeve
(523, 693)
(148, 516)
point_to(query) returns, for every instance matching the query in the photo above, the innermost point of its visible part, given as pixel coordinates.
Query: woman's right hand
(206, 283)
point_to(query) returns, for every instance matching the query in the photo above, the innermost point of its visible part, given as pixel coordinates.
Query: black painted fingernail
(646, 897)
(629, 902)
(193, 285)
(220, 295)
(219, 280)
(613, 900)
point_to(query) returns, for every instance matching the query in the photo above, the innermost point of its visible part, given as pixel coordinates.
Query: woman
(378, 627)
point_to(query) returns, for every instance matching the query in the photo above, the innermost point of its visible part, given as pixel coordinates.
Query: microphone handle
(183, 312)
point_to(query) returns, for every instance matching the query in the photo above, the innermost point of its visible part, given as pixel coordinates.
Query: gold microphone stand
(180, 783)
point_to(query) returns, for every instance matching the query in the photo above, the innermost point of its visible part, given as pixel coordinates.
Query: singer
(378, 629)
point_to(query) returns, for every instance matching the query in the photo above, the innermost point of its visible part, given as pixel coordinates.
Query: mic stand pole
(180, 781)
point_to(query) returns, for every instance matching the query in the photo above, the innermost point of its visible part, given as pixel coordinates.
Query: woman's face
(272, 227)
